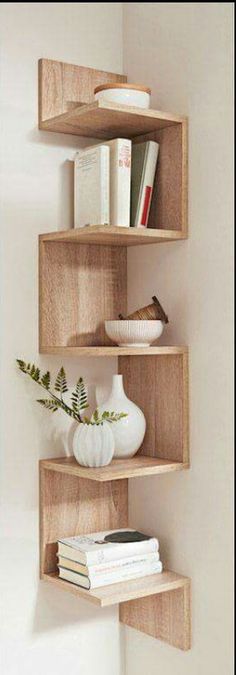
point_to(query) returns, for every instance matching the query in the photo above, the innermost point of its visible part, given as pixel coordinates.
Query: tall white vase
(129, 431)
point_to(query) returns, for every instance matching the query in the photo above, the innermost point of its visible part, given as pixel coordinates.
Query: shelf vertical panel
(166, 616)
(63, 86)
(70, 505)
(169, 206)
(80, 286)
(159, 386)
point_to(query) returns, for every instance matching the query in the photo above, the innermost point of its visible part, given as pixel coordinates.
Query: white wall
(42, 630)
(183, 51)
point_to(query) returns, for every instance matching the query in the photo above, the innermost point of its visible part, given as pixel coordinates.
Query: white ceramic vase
(93, 444)
(129, 431)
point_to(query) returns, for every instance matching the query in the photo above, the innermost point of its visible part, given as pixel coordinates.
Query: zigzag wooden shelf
(82, 283)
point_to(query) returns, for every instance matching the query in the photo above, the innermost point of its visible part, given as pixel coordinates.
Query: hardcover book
(130, 562)
(120, 180)
(114, 577)
(95, 548)
(91, 187)
(144, 161)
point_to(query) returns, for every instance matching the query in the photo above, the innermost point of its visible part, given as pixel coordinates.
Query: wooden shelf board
(113, 235)
(107, 120)
(112, 351)
(141, 465)
(125, 591)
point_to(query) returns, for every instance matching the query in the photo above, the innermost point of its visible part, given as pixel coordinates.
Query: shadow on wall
(48, 613)
(58, 139)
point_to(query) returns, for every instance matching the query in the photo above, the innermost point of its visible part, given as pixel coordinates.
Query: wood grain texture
(165, 616)
(70, 505)
(80, 286)
(169, 206)
(121, 592)
(116, 470)
(113, 236)
(159, 386)
(112, 351)
(62, 86)
(103, 119)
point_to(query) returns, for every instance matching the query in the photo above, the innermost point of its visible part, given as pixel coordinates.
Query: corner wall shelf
(107, 120)
(66, 350)
(82, 283)
(128, 590)
(113, 236)
(140, 465)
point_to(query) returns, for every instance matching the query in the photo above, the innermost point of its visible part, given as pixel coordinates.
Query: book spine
(105, 186)
(96, 570)
(147, 185)
(121, 551)
(124, 563)
(125, 575)
(121, 177)
(76, 214)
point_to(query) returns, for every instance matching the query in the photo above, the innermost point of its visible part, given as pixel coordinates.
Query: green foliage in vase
(79, 399)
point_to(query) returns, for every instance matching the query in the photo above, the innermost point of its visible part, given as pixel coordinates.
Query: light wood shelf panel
(118, 469)
(80, 286)
(113, 236)
(125, 591)
(159, 386)
(112, 351)
(108, 120)
(165, 616)
(67, 105)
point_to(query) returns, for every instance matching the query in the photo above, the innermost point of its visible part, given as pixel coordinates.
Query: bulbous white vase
(129, 431)
(93, 444)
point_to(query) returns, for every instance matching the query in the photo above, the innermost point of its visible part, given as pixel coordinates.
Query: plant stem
(66, 407)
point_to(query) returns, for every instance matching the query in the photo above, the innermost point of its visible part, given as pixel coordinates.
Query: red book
(144, 161)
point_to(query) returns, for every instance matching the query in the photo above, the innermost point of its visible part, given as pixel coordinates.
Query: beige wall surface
(43, 631)
(184, 52)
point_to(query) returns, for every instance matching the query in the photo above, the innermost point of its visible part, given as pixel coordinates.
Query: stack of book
(113, 183)
(104, 558)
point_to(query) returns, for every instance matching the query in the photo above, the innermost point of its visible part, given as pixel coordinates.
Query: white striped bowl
(133, 333)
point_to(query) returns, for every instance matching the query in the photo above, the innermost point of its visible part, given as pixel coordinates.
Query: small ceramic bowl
(133, 333)
(126, 94)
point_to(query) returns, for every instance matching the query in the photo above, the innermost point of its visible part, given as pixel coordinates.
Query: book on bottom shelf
(106, 546)
(130, 562)
(117, 576)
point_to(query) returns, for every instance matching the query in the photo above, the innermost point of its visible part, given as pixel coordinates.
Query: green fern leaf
(46, 379)
(61, 382)
(79, 397)
(50, 404)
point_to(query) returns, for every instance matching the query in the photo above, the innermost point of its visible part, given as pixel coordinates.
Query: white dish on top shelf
(128, 333)
(126, 94)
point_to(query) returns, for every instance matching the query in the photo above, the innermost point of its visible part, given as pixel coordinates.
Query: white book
(107, 579)
(144, 161)
(131, 562)
(91, 187)
(120, 180)
(94, 549)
